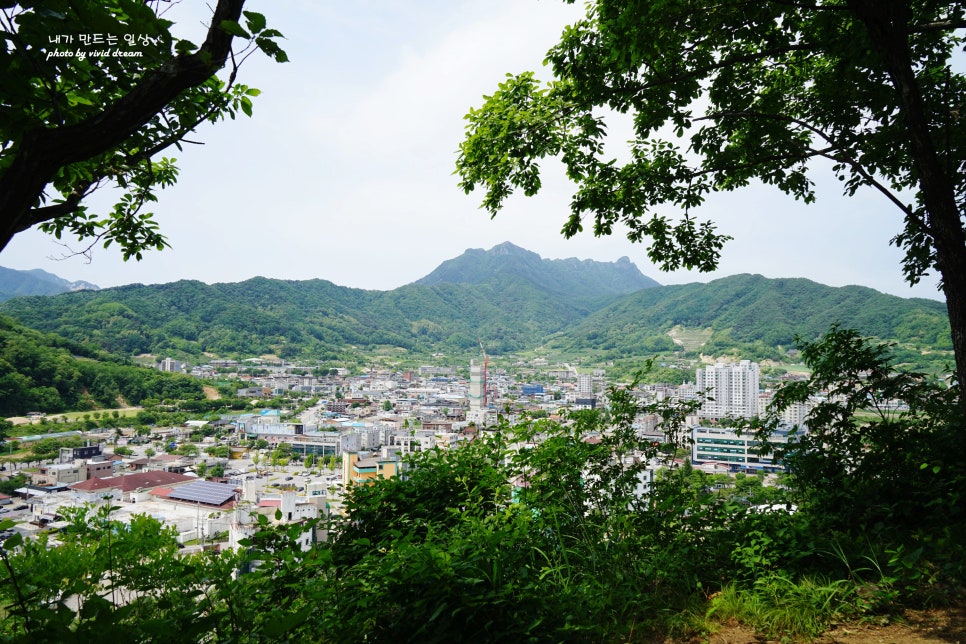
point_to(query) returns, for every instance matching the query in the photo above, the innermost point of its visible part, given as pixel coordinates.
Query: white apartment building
(732, 389)
(171, 365)
(477, 393)
(795, 415)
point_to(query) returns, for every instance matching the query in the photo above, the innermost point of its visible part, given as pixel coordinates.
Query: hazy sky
(345, 172)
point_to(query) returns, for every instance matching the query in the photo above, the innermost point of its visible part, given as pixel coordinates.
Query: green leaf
(77, 99)
(255, 21)
(233, 28)
(278, 626)
(271, 48)
(184, 47)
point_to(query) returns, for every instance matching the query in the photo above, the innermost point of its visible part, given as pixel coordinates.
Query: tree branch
(178, 136)
(42, 151)
(834, 146)
(48, 82)
(46, 213)
(939, 25)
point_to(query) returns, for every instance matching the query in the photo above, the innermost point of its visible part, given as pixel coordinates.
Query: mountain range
(14, 283)
(508, 297)
(573, 278)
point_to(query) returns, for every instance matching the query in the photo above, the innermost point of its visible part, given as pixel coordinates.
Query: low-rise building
(71, 454)
(130, 487)
(739, 451)
(286, 508)
(60, 474)
(362, 468)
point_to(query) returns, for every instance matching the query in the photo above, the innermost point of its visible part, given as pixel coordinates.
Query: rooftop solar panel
(207, 492)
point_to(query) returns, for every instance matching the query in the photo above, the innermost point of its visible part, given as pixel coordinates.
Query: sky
(345, 170)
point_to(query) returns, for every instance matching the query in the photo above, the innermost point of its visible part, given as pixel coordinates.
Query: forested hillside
(509, 310)
(313, 318)
(754, 311)
(507, 295)
(45, 372)
(577, 280)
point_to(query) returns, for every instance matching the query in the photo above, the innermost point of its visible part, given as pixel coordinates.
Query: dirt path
(915, 627)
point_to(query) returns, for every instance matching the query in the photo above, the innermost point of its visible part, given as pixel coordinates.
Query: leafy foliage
(900, 465)
(754, 93)
(725, 96)
(45, 373)
(546, 531)
(93, 93)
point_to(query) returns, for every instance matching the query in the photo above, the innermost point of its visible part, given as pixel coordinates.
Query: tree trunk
(888, 26)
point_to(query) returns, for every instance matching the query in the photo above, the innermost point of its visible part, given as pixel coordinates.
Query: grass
(780, 607)
(691, 339)
(122, 412)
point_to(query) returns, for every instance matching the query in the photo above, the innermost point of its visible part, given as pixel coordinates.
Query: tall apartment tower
(585, 385)
(476, 385)
(477, 412)
(734, 388)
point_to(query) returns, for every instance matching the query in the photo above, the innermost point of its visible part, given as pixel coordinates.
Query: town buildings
(729, 389)
(371, 421)
(740, 451)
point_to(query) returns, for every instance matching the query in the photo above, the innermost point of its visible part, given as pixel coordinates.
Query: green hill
(511, 299)
(744, 310)
(45, 372)
(508, 297)
(312, 318)
(577, 280)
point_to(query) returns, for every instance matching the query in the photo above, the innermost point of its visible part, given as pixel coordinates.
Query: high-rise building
(171, 365)
(476, 385)
(795, 414)
(477, 396)
(731, 389)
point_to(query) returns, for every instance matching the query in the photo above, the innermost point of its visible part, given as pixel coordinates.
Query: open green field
(22, 425)
(691, 339)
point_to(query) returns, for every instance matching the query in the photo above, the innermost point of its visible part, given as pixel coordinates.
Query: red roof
(133, 482)
(161, 491)
(91, 485)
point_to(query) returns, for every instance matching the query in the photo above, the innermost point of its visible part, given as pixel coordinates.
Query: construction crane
(486, 360)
